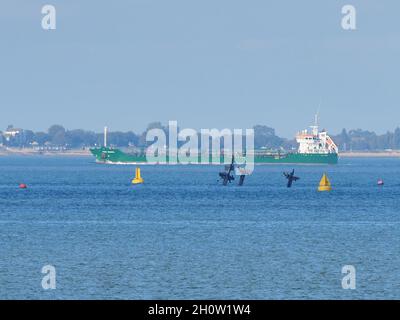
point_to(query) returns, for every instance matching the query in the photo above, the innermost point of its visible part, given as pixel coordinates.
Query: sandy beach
(369, 154)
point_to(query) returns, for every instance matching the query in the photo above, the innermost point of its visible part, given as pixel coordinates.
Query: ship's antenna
(317, 114)
(315, 126)
(105, 136)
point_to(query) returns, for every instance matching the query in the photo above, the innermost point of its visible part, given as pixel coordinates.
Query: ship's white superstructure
(315, 142)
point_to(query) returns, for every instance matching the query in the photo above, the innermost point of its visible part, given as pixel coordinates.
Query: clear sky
(205, 63)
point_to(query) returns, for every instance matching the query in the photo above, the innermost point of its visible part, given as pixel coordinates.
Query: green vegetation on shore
(57, 137)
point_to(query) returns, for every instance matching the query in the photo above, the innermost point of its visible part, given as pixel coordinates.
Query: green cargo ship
(116, 156)
(314, 148)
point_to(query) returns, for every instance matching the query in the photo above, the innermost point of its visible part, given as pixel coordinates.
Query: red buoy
(23, 186)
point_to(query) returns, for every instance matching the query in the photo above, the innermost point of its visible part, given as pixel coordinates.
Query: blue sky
(208, 63)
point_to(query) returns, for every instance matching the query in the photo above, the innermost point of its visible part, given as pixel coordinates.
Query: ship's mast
(315, 126)
(105, 136)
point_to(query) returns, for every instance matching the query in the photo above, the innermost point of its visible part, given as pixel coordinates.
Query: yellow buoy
(138, 179)
(324, 184)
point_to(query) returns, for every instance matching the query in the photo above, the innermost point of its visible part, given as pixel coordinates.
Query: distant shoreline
(86, 153)
(370, 154)
(31, 152)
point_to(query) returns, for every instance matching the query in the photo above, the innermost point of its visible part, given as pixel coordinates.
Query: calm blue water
(182, 235)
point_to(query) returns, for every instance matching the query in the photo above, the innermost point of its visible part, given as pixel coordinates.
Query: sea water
(182, 235)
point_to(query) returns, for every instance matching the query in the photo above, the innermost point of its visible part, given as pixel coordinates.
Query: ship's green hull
(116, 156)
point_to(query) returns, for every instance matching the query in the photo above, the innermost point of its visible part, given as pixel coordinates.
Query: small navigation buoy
(380, 182)
(324, 184)
(23, 186)
(138, 179)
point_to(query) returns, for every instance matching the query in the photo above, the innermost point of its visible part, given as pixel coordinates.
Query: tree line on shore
(265, 137)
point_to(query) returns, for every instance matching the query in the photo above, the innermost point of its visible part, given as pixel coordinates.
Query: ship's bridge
(315, 142)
